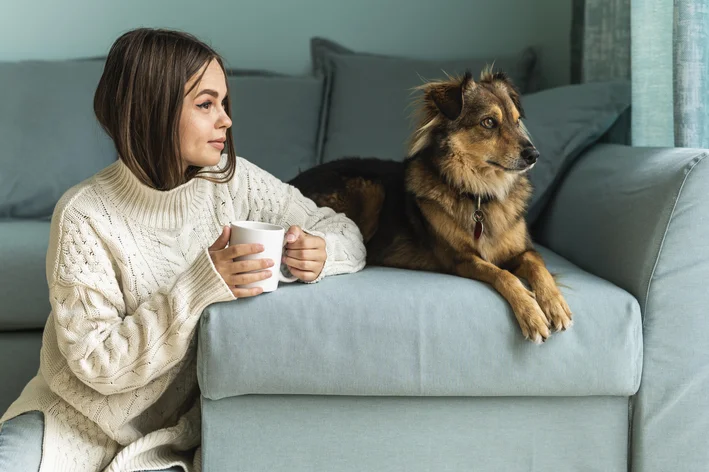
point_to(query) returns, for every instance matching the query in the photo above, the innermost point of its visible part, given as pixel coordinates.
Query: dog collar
(483, 199)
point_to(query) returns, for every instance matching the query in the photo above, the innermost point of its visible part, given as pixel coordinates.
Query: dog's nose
(530, 155)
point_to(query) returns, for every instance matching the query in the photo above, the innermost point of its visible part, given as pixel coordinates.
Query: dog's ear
(448, 96)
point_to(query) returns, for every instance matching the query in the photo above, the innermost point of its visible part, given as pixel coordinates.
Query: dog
(457, 203)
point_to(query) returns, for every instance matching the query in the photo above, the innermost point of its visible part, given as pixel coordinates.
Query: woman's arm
(273, 201)
(107, 348)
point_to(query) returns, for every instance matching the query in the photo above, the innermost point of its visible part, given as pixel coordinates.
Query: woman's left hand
(304, 254)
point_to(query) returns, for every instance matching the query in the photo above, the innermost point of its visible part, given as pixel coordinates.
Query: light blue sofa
(392, 370)
(388, 370)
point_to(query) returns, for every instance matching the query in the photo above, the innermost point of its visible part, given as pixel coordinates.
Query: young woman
(138, 251)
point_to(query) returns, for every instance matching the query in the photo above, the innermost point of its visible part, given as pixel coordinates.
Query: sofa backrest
(50, 139)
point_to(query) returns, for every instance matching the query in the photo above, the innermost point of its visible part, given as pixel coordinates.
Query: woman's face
(204, 122)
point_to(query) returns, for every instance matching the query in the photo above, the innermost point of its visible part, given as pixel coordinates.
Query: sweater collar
(144, 204)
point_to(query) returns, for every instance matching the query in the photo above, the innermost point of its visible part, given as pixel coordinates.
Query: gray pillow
(49, 136)
(368, 97)
(275, 121)
(565, 121)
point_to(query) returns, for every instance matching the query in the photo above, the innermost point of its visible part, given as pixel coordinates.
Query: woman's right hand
(234, 272)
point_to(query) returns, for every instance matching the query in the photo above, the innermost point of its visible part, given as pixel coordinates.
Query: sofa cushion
(368, 97)
(565, 121)
(49, 136)
(24, 296)
(19, 362)
(293, 433)
(275, 120)
(386, 331)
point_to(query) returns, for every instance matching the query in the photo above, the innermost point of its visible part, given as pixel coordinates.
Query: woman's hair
(139, 98)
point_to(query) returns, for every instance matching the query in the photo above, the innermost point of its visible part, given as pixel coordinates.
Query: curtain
(662, 47)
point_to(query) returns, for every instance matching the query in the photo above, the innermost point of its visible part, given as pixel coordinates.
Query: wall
(273, 34)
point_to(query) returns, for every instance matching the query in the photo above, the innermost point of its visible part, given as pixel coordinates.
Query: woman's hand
(304, 254)
(233, 272)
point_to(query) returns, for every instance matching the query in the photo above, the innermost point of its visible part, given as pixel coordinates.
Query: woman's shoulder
(74, 198)
(79, 195)
(71, 228)
(79, 200)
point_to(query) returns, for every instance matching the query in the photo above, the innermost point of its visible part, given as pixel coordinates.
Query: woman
(138, 251)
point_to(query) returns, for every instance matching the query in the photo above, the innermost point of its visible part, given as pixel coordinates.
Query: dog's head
(478, 127)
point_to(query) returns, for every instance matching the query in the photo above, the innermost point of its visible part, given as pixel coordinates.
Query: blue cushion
(49, 136)
(19, 362)
(367, 108)
(386, 331)
(24, 296)
(275, 120)
(564, 122)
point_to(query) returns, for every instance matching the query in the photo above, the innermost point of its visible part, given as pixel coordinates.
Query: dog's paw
(556, 309)
(531, 318)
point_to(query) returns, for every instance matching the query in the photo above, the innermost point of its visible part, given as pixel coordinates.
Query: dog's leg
(529, 315)
(530, 266)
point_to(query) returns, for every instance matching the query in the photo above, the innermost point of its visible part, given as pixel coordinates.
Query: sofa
(395, 370)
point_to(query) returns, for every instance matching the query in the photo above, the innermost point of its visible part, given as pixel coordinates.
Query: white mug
(272, 237)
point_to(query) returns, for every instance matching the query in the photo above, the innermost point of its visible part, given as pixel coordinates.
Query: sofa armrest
(639, 218)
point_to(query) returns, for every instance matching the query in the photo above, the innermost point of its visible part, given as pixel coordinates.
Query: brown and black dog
(457, 203)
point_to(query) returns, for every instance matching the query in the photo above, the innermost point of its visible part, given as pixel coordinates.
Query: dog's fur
(418, 214)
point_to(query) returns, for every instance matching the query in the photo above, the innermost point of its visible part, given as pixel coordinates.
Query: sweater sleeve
(107, 348)
(273, 201)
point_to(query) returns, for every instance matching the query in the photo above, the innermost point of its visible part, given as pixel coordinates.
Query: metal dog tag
(478, 217)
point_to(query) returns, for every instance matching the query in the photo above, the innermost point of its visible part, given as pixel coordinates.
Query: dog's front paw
(531, 318)
(556, 309)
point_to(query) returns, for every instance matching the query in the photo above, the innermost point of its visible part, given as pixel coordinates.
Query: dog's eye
(488, 123)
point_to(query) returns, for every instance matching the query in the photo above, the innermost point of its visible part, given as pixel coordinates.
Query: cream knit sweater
(129, 275)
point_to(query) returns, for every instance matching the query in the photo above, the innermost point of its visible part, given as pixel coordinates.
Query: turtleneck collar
(151, 207)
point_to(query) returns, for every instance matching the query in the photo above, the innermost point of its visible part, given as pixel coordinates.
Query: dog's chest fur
(448, 216)
(451, 222)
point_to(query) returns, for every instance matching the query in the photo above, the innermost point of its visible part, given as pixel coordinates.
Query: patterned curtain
(662, 46)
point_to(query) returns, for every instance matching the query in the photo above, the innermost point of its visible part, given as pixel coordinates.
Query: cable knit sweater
(129, 275)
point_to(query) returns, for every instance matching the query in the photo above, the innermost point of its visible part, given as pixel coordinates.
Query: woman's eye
(207, 105)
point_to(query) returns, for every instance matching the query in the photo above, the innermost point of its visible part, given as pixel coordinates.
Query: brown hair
(139, 99)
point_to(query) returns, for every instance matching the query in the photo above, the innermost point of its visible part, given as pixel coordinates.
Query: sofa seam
(326, 73)
(201, 353)
(698, 159)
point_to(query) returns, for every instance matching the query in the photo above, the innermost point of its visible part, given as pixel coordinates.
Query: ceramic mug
(272, 237)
